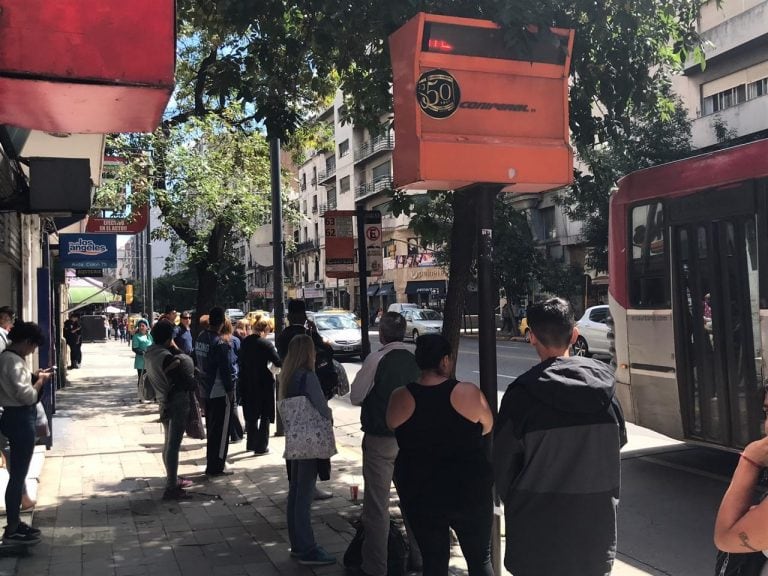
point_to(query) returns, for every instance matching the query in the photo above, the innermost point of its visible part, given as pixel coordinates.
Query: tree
(275, 56)
(210, 178)
(180, 289)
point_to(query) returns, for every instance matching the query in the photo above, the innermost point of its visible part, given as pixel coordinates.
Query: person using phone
(19, 393)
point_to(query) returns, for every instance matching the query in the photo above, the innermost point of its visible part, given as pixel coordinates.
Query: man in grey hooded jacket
(556, 456)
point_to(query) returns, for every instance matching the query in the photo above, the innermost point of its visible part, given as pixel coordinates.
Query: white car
(422, 321)
(234, 314)
(340, 331)
(593, 332)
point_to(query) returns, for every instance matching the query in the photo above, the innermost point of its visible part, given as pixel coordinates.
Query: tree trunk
(207, 269)
(463, 233)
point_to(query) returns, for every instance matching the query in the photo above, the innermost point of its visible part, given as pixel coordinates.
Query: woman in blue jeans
(19, 393)
(298, 378)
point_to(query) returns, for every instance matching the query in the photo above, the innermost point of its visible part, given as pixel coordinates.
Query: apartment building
(357, 171)
(728, 99)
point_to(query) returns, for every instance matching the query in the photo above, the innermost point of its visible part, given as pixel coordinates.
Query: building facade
(727, 100)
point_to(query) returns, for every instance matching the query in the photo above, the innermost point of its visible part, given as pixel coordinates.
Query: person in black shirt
(257, 387)
(74, 339)
(183, 335)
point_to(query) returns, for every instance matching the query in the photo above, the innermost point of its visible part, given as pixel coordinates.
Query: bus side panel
(621, 358)
(652, 371)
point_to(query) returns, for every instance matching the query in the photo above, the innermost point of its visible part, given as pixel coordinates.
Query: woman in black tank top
(442, 475)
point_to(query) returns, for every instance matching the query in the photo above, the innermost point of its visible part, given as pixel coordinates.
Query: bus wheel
(580, 347)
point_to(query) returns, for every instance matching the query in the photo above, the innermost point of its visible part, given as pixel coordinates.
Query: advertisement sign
(373, 247)
(134, 223)
(92, 251)
(339, 244)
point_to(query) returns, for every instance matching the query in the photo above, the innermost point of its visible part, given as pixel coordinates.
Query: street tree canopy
(210, 179)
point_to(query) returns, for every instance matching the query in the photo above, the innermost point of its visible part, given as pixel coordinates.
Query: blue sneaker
(317, 557)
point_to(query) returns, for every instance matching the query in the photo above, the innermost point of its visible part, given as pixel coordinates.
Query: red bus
(688, 264)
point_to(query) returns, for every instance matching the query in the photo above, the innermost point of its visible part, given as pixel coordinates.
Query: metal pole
(150, 292)
(486, 196)
(277, 237)
(362, 274)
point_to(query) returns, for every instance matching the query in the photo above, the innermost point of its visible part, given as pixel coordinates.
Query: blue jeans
(18, 425)
(174, 417)
(301, 492)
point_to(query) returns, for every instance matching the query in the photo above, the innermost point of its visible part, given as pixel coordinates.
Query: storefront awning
(387, 290)
(88, 294)
(425, 286)
(373, 289)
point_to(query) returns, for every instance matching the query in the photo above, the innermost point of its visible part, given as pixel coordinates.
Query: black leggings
(431, 525)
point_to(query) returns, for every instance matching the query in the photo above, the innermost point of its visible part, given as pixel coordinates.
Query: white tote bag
(308, 434)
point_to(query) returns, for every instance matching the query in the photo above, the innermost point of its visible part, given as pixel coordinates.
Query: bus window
(648, 279)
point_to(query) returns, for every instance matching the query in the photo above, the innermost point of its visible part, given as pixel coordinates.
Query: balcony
(745, 118)
(330, 173)
(323, 209)
(374, 147)
(370, 188)
(314, 209)
(308, 246)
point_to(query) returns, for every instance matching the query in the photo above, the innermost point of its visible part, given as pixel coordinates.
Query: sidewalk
(100, 506)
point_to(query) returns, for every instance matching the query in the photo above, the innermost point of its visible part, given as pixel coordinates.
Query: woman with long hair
(20, 391)
(298, 378)
(257, 387)
(227, 335)
(442, 475)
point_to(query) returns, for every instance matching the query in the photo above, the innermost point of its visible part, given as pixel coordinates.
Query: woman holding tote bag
(298, 379)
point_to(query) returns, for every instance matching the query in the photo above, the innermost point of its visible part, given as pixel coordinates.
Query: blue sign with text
(92, 251)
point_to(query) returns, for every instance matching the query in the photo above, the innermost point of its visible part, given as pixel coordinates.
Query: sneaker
(262, 452)
(23, 534)
(317, 557)
(295, 554)
(224, 472)
(184, 482)
(322, 494)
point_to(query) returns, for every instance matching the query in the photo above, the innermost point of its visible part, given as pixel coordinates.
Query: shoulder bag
(308, 434)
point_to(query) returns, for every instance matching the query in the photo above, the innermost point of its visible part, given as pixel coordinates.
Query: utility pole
(277, 236)
(486, 196)
(149, 290)
(362, 275)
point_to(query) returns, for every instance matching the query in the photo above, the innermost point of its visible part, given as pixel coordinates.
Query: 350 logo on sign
(438, 94)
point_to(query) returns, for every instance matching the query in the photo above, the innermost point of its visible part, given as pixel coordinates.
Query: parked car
(340, 331)
(399, 307)
(593, 332)
(422, 321)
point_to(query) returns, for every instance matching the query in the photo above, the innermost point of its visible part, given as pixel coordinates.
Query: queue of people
(423, 430)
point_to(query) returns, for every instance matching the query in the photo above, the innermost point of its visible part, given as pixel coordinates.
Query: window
(725, 99)
(314, 204)
(343, 148)
(382, 171)
(600, 315)
(344, 184)
(548, 222)
(757, 89)
(304, 181)
(331, 198)
(648, 283)
(314, 176)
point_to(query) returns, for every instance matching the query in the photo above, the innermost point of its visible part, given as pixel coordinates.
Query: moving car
(402, 306)
(422, 321)
(340, 331)
(593, 332)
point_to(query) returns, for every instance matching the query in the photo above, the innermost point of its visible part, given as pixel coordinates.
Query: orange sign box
(471, 109)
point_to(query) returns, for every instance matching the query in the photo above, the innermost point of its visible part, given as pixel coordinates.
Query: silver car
(422, 321)
(340, 331)
(593, 332)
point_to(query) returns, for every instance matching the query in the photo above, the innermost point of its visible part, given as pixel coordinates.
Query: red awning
(86, 66)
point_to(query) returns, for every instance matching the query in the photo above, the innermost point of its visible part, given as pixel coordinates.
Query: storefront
(427, 293)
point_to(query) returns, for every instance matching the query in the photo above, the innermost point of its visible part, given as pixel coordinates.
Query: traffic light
(129, 293)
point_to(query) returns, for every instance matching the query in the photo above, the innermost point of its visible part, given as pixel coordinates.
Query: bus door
(716, 309)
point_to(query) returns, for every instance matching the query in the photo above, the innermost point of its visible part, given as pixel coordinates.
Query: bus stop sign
(471, 108)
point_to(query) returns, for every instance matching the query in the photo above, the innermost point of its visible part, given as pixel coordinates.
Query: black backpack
(326, 372)
(398, 550)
